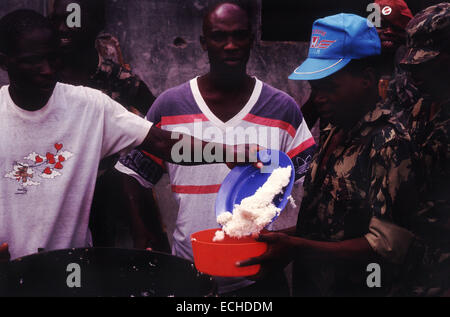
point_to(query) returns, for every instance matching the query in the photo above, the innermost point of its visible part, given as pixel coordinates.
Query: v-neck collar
(238, 117)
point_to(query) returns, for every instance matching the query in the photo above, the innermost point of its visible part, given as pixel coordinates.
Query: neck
(228, 81)
(29, 100)
(360, 112)
(85, 60)
(387, 68)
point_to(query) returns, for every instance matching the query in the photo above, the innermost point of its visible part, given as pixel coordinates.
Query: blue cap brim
(315, 68)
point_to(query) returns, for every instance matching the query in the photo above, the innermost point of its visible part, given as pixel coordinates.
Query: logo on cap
(387, 10)
(321, 44)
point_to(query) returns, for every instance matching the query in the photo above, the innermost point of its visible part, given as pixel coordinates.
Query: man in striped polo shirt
(226, 106)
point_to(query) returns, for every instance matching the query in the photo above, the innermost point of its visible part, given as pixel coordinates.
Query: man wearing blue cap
(354, 208)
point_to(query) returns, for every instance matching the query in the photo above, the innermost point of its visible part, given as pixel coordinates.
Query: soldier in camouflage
(360, 187)
(428, 122)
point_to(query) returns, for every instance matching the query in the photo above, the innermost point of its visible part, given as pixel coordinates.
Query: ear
(203, 43)
(369, 78)
(4, 62)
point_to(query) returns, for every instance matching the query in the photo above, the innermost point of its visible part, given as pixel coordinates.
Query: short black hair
(357, 66)
(246, 5)
(16, 23)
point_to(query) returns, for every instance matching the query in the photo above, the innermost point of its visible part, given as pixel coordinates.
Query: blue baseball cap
(335, 41)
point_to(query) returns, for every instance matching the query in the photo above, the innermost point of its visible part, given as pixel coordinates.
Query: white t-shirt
(49, 161)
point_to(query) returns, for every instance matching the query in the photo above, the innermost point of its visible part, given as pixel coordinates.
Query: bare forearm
(183, 149)
(357, 250)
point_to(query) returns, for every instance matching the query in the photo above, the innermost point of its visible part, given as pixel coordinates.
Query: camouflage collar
(379, 114)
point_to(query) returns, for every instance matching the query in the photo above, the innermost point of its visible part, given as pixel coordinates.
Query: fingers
(4, 247)
(259, 165)
(4, 252)
(252, 261)
(268, 237)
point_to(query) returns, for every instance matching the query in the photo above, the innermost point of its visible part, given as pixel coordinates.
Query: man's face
(391, 36)
(32, 66)
(73, 38)
(338, 97)
(432, 77)
(228, 38)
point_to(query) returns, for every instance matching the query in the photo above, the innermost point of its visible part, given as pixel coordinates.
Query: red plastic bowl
(219, 258)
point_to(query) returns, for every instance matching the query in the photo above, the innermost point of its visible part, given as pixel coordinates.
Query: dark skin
(431, 77)
(226, 88)
(343, 98)
(32, 65)
(4, 253)
(77, 45)
(79, 55)
(32, 69)
(227, 39)
(391, 37)
(79, 63)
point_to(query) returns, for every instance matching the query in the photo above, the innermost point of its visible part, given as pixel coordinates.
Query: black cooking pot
(103, 272)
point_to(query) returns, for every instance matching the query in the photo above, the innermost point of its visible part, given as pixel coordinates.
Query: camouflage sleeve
(392, 185)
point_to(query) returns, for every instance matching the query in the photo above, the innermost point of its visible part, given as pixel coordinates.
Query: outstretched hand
(243, 154)
(280, 252)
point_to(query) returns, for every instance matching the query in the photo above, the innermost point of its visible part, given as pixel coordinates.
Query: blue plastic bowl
(244, 181)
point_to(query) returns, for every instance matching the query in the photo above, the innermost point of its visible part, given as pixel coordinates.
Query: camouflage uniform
(401, 95)
(429, 127)
(114, 78)
(364, 177)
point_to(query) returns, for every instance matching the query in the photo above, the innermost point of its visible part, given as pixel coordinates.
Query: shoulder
(78, 92)
(82, 97)
(276, 104)
(177, 100)
(392, 139)
(176, 92)
(279, 97)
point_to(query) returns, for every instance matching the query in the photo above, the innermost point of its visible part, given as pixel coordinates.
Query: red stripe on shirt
(190, 118)
(299, 149)
(155, 159)
(271, 123)
(196, 190)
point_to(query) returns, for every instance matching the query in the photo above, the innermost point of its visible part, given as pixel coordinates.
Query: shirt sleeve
(147, 169)
(122, 130)
(391, 198)
(301, 148)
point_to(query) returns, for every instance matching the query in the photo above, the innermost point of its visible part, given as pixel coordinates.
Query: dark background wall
(160, 38)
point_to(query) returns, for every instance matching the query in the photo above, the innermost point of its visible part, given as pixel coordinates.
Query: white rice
(257, 211)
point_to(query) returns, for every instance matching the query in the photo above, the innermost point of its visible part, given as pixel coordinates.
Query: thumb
(268, 237)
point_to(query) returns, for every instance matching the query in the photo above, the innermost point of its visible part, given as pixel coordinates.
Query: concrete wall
(160, 39)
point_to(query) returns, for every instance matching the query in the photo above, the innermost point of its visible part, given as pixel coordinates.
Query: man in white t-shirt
(52, 138)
